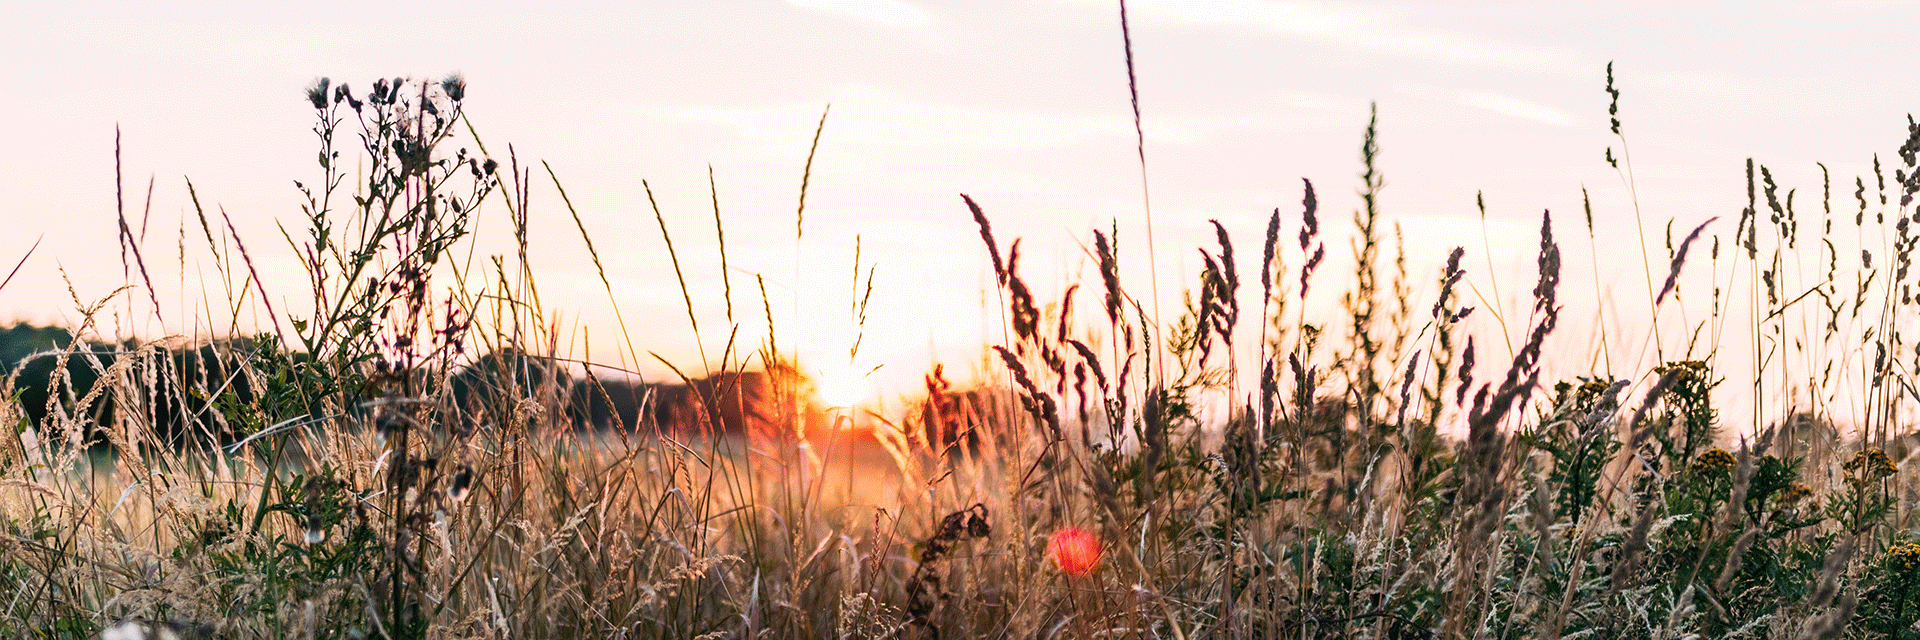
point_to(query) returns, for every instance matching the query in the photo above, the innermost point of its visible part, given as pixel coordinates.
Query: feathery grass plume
(1909, 179)
(1680, 260)
(1544, 299)
(1406, 390)
(924, 589)
(1466, 373)
(1834, 622)
(1424, 446)
(1091, 362)
(1401, 318)
(127, 239)
(720, 234)
(1903, 243)
(1361, 300)
(1037, 402)
(1153, 439)
(1051, 350)
(1109, 273)
(1880, 179)
(1633, 549)
(1219, 307)
(986, 235)
(1229, 285)
(1860, 194)
(1207, 312)
(806, 176)
(1484, 461)
(1268, 383)
(1526, 363)
(1309, 234)
(1613, 104)
(1450, 275)
(1749, 219)
(1267, 255)
(1779, 218)
(1827, 585)
(1140, 147)
(1026, 318)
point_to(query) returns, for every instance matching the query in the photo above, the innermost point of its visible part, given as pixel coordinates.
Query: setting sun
(854, 318)
(843, 388)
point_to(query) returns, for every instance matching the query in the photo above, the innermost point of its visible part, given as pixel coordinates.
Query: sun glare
(842, 389)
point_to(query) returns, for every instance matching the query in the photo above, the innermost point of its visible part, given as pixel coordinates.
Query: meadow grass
(410, 464)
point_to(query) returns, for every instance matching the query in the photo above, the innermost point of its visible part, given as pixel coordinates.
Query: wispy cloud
(872, 115)
(867, 114)
(1364, 28)
(897, 13)
(1511, 106)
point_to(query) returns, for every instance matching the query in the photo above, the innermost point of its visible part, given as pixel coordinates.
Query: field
(419, 458)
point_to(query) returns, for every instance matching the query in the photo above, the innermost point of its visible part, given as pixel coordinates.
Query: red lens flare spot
(1074, 550)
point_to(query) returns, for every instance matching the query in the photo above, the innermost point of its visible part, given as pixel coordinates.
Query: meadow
(420, 458)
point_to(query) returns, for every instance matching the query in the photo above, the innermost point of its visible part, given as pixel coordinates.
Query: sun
(842, 388)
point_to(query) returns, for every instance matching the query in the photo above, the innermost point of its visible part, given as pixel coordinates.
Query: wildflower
(1713, 460)
(317, 93)
(1685, 367)
(1790, 495)
(455, 85)
(1074, 550)
(1904, 555)
(1869, 465)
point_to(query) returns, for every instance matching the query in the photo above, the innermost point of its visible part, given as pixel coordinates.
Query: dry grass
(407, 465)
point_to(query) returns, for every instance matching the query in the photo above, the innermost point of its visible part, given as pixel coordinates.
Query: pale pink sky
(1021, 104)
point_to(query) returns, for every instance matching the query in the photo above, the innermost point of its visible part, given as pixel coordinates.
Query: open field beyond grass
(417, 456)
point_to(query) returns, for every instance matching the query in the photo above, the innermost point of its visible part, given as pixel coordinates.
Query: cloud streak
(896, 13)
(1511, 106)
(1366, 29)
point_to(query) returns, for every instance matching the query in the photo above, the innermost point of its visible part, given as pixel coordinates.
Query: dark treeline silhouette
(204, 394)
(49, 376)
(730, 402)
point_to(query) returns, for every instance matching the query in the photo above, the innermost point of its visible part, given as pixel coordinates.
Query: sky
(1024, 105)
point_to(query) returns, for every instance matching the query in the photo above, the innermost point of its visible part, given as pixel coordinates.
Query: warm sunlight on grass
(420, 457)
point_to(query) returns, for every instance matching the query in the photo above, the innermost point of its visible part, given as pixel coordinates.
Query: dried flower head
(1684, 369)
(1713, 460)
(317, 93)
(1869, 465)
(455, 85)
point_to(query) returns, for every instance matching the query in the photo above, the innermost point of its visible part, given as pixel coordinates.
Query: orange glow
(1076, 551)
(842, 388)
